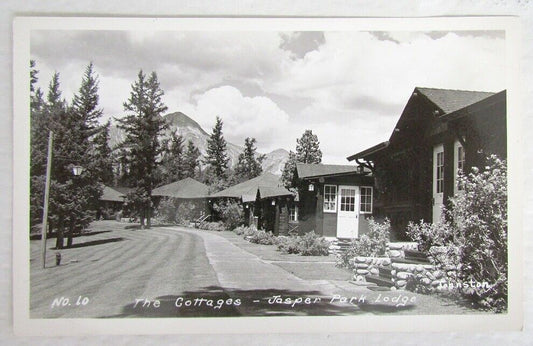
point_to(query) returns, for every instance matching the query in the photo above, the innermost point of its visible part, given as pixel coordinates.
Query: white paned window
(330, 198)
(365, 206)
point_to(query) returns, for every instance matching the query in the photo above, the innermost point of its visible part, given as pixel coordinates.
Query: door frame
(437, 197)
(355, 232)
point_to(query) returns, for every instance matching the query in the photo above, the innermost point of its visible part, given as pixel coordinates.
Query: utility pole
(46, 196)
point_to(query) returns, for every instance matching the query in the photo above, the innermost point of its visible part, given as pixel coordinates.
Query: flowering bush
(309, 244)
(372, 244)
(244, 230)
(474, 235)
(261, 237)
(288, 244)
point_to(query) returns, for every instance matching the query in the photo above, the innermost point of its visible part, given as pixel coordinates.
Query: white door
(348, 212)
(438, 181)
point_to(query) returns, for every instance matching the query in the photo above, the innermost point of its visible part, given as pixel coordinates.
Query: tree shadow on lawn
(214, 301)
(92, 243)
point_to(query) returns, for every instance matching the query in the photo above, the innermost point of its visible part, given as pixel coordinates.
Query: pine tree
(217, 158)
(191, 161)
(143, 124)
(249, 162)
(173, 161)
(85, 102)
(307, 151)
(287, 175)
(103, 155)
(70, 197)
(308, 148)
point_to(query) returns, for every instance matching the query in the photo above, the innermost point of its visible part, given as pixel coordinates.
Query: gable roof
(449, 100)
(185, 188)
(112, 195)
(313, 170)
(266, 185)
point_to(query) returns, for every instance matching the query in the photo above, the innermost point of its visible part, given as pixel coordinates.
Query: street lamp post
(46, 197)
(76, 170)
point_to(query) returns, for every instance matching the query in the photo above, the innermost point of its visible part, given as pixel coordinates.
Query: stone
(395, 253)
(438, 274)
(420, 269)
(425, 281)
(361, 265)
(403, 275)
(374, 271)
(430, 276)
(362, 272)
(395, 246)
(401, 283)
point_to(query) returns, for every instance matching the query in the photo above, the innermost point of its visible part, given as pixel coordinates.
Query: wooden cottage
(111, 202)
(189, 191)
(267, 204)
(335, 200)
(439, 133)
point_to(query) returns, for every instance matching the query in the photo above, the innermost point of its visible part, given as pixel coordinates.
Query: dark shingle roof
(112, 195)
(267, 184)
(451, 100)
(185, 188)
(311, 170)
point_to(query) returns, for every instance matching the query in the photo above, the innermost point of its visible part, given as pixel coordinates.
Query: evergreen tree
(217, 158)
(143, 124)
(103, 156)
(70, 197)
(308, 148)
(307, 151)
(191, 161)
(85, 102)
(173, 161)
(249, 162)
(287, 175)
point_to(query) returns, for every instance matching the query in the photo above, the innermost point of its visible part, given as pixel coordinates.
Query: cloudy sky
(347, 87)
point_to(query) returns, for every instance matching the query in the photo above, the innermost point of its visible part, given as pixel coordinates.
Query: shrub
(261, 237)
(372, 244)
(186, 212)
(288, 244)
(243, 230)
(166, 210)
(231, 213)
(212, 226)
(475, 235)
(311, 244)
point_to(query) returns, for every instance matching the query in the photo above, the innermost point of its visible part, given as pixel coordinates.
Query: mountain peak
(181, 120)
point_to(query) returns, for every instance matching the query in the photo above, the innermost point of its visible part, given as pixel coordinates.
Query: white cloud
(243, 116)
(348, 87)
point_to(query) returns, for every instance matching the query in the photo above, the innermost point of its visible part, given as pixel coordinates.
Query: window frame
(295, 209)
(334, 200)
(371, 204)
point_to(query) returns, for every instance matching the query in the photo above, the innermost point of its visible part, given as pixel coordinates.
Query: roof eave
(372, 150)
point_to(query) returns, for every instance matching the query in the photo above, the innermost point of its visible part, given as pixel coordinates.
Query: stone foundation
(396, 249)
(364, 266)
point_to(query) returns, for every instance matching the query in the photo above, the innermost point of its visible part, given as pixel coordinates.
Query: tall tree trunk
(141, 219)
(59, 237)
(148, 218)
(70, 235)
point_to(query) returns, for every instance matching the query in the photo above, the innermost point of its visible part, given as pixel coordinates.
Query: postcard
(259, 175)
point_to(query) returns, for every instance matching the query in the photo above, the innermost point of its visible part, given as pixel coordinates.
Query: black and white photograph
(224, 169)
